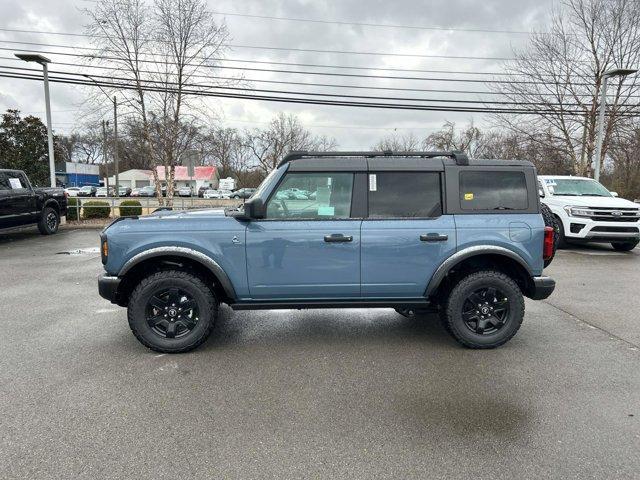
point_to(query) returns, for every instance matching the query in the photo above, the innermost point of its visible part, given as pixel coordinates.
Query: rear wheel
(484, 310)
(172, 311)
(625, 246)
(49, 221)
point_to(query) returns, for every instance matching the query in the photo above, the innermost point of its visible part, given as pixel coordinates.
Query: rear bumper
(108, 287)
(542, 288)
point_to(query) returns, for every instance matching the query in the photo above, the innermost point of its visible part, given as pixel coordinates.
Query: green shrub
(130, 208)
(72, 209)
(95, 209)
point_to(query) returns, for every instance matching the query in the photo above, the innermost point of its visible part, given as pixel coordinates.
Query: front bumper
(587, 230)
(108, 287)
(542, 288)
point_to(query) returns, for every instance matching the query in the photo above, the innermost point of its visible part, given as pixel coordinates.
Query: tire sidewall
(457, 300)
(140, 297)
(44, 226)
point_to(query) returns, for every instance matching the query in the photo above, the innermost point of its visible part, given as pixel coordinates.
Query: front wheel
(172, 311)
(49, 221)
(484, 310)
(625, 246)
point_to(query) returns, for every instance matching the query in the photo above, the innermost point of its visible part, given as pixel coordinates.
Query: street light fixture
(618, 72)
(30, 57)
(115, 134)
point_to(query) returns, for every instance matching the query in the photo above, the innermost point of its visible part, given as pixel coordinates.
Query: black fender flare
(51, 202)
(476, 250)
(189, 253)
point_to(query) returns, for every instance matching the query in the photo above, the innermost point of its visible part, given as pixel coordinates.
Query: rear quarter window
(493, 190)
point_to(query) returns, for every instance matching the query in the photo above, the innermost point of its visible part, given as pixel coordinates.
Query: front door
(405, 237)
(308, 246)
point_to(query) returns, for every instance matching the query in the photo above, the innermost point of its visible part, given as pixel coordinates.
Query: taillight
(104, 250)
(547, 246)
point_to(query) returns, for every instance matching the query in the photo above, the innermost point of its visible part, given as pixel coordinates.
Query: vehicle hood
(580, 201)
(169, 220)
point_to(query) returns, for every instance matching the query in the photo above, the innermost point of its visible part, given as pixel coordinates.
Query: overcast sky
(353, 128)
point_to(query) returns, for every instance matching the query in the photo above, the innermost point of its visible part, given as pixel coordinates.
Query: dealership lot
(314, 394)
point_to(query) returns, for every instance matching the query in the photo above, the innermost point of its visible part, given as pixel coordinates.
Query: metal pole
(104, 153)
(115, 143)
(52, 161)
(603, 101)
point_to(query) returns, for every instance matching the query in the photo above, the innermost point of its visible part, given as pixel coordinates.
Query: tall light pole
(618, 72)
(115, 133)
(30, 57)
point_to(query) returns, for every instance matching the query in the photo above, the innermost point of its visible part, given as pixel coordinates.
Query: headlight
(577, 211)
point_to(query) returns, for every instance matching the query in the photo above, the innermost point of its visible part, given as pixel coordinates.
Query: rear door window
(493, 190)
(404, 195)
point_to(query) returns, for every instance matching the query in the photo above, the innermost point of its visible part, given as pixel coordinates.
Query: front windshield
(576, 187)
(264, 184)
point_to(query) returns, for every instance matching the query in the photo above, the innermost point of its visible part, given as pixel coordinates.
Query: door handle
(337, 238)
(434, 237)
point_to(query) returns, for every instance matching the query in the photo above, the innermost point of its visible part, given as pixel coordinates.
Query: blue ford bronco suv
(414, 231)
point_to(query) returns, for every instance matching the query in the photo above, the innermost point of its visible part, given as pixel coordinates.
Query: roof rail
(460, 157)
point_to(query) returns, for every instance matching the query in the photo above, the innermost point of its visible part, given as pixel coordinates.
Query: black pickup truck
(22, 205)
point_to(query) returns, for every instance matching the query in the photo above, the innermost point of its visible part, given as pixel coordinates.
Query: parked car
(148, 191)
(135, 192)
(184, 191)
(203, 189)
(226, 194)
(585, 211)
(21, 204)
(87, 191)
(72, 191)
(211, 193)
(124, 191)
(465, 238)
(243, 193)
(104, 192)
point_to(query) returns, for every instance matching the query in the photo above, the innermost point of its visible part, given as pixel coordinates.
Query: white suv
(586, 211)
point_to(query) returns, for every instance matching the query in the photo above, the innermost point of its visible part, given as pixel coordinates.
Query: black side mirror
(253, 209)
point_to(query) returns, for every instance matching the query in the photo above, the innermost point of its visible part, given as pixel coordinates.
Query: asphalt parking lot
(314, 394)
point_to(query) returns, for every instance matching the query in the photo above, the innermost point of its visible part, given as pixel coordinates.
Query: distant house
(134, 178)
(203, 176)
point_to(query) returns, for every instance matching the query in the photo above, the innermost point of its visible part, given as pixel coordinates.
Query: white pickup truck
(586, 211)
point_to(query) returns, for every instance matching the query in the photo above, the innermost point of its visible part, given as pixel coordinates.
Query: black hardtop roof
(353, 158)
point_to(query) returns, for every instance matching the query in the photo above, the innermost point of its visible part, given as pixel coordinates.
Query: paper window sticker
(326, 211)
(15, 183)
(373, 182)
(468, 196)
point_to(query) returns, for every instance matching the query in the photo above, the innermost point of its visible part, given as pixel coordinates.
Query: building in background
(134, 178)
(202, 177)
(73, 174)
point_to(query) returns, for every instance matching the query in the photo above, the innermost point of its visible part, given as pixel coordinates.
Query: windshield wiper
(591, 195)
(503, 208)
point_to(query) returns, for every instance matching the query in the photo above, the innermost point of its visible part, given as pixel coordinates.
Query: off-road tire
(49, 221)
(148, 287)
(625, 246)
(550, 221)
(451, 314)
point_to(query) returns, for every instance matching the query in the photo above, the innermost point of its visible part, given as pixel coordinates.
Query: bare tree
(284, 134)
(561, 71)
(469, 139)
(159, 51)
(399, 143)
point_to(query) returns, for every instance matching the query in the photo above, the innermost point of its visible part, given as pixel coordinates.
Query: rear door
(405, 236)
(308, 246)
(17, 200)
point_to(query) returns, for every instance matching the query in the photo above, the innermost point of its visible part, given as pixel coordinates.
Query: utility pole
(104, 152)
(115, 143)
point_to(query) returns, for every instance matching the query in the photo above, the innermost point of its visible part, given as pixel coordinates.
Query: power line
(314, 94)
(297, 100)
(294, 72)
(292, 49)
(384, 25)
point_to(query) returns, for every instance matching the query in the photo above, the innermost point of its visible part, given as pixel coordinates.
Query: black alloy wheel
(172, 313)
(485, 311)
